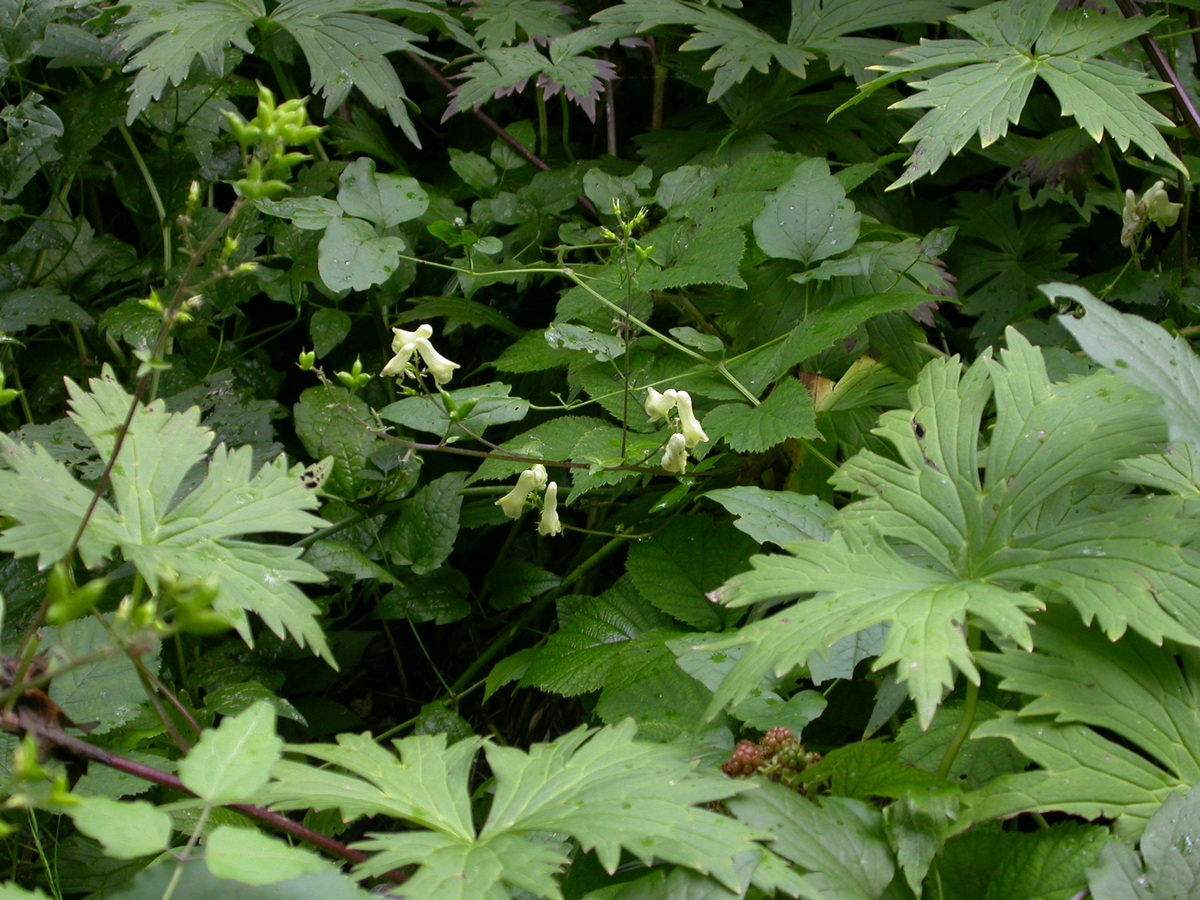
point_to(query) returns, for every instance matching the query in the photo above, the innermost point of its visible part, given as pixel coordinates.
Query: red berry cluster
(779, 755)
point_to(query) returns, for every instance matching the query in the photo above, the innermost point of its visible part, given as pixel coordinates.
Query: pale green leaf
(1103, 96)
(1169, 865)
(231, 763)
(127, 830)
(192, 880)
(840, 844)
(1142, 353)
(978, 526)
(501, 21)
(1131, 689)
(603, 788)
(786, 413)
(612, 793)
(15, 892)
(980, 99)
(491, 405)
(691, 556)
(381, 199)
(777, 517)
(198, 535)
(808, 218)
(251, 857)
(353, 256)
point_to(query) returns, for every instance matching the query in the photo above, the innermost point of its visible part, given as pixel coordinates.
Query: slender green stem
(970, 705)
(163, 222)
(543, 122)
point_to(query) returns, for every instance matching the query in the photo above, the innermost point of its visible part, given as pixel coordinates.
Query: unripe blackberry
(777, 740)
(746, 760)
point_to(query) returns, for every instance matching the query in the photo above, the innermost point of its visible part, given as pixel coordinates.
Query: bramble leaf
(194, 536)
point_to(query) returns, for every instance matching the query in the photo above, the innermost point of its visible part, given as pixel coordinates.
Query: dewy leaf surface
(950, 533)
(601, 787)
(195, 536)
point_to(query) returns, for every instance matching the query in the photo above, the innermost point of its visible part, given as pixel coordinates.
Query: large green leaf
(600, 787)
(195, 536)
(976, 527)
(1131, 690)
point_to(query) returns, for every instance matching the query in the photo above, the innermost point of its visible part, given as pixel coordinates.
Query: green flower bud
(308, 359)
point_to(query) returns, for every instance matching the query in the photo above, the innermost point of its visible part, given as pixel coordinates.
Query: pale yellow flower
(549, 524)
(406, 343)
(688, 423)
(674, 458)
(532, 479)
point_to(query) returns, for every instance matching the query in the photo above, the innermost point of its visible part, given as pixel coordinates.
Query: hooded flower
(688, 423)
(406, 343)
(532, 479)
(658, 405)
(1152, 207)
(674, 458)
(549, 524)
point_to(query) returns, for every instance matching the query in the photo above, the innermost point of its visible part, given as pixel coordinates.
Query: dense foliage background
(650, 449)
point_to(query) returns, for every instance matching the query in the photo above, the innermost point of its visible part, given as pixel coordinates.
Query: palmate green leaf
(739, 45)
(1016, 41)
(600, 787)
(344, 46)
(353, 255)
(778, 517)
(869, 584)
(178, 32)
(31, 133)
(1143, 695)
(500, 21)
(974, 542)
(194, 536)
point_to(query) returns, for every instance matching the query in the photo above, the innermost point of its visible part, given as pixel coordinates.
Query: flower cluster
(531, 481)
(659, 406)
(1152, 207)
(406, 343)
